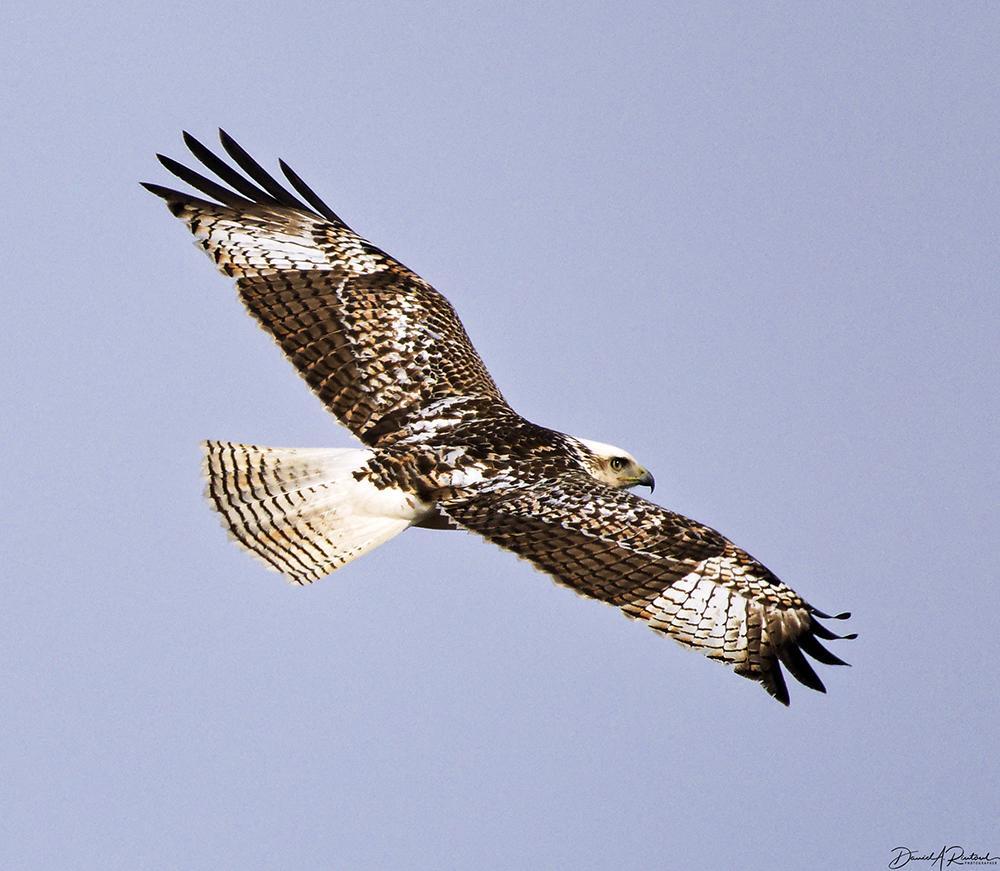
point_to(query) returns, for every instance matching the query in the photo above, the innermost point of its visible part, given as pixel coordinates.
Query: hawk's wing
(377, 344)
(682, 578)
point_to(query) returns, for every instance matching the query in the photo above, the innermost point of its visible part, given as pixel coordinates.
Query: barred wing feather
(373, 340)
(682, 578)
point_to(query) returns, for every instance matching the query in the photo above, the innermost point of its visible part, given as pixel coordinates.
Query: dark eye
(618, 463)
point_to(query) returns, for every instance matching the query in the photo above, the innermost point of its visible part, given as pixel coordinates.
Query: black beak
(647, 481)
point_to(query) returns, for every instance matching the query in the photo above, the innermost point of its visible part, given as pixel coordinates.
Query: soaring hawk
(387, 354)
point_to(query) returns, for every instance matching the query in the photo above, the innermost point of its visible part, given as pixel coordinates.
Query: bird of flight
(387, 354)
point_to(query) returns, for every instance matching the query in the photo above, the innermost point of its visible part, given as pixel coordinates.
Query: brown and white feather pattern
(388, 355)
(374, 341)
(680, 577)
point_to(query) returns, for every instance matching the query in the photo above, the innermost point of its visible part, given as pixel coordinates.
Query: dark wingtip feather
(820, 631)
(309, 194)
(817, 651)
(224, 171)
(774, 682)
(843, 615)
(242, 192)
(258, 173)
(205, 185)
(799, 667)
(160, 190)
(177, 201)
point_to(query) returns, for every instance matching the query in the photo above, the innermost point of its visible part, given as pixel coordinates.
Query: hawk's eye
(618, 463)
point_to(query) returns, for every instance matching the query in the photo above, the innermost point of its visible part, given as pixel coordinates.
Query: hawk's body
(387, 354)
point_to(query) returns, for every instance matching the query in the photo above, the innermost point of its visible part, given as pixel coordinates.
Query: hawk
(388, 356)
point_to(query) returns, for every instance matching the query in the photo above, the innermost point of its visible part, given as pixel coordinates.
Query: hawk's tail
(303, 512)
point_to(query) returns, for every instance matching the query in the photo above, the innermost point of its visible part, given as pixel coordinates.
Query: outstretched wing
(374, 341)
(684, 579)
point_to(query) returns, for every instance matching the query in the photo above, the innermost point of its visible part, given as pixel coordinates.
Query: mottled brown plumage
(387, 354)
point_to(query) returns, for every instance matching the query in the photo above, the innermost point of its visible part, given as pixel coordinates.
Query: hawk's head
(615, 467)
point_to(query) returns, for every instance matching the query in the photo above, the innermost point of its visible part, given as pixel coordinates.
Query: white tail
(302, 512)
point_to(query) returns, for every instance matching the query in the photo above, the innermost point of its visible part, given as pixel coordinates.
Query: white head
(615, 467)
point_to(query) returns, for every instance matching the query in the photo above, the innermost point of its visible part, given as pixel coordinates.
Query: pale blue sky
(755, 244)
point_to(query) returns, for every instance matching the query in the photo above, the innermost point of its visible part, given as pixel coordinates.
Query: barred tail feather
(303, 512)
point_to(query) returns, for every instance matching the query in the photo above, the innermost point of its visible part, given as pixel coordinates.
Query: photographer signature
(945, 858)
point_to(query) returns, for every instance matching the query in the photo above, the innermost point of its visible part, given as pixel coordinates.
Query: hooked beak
(645, 480)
